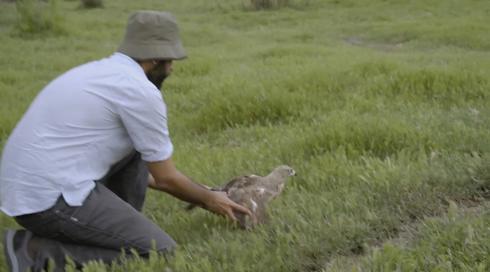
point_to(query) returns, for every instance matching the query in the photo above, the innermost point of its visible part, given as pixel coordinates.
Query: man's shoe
(15, 246)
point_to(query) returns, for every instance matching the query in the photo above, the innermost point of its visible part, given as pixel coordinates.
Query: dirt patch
(408, 233)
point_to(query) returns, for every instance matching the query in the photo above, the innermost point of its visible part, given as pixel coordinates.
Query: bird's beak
(292, 173)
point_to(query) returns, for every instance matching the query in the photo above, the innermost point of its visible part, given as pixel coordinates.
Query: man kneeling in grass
(74, 171)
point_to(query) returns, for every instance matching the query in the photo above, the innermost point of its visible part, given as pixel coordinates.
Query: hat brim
(162, 50)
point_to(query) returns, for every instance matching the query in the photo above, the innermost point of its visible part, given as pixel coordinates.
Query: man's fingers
(241, 209)
(230, 214)
(227, 207)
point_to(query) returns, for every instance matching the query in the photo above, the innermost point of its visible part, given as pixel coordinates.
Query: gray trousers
(108, 223)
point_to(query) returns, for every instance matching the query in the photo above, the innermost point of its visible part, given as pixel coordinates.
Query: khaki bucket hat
(152, 35)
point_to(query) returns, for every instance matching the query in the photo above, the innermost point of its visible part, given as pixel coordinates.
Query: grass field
(381, 106)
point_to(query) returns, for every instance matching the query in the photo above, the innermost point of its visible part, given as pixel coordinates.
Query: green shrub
(92, 3)
(378, 137)
(437, 85)
(275, 4)
(268, 4)
(39, 17)
(255, 106)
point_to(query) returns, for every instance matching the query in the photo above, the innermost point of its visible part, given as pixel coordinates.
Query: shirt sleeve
(144, 115)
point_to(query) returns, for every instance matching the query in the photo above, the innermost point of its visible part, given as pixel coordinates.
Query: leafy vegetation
(92, 3)
(38, 17)
(382, 108)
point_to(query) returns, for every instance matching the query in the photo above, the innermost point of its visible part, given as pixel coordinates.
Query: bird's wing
(241, 182)
(232, 186)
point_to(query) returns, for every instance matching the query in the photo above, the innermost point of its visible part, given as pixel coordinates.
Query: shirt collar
(128, 61)
(132, 64)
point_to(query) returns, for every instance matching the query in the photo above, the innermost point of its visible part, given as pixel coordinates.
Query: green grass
(38, 18)
(456, 242)
(382, 107)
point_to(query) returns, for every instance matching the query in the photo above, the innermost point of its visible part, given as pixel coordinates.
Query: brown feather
(254, 192)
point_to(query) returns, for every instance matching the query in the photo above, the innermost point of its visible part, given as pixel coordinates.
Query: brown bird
(254, 192)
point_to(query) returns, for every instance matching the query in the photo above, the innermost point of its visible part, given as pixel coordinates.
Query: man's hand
(219, 203)
(165, 177)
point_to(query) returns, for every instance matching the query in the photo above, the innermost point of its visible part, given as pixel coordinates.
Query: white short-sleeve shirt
(78, 126)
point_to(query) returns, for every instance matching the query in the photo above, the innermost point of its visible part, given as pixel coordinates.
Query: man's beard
(156, 78)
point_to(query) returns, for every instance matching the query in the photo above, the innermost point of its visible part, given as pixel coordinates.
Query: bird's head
(284, 171)
(277, 179)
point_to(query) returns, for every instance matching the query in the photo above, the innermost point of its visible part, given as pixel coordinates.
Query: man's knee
(159, 242)
(165, 245)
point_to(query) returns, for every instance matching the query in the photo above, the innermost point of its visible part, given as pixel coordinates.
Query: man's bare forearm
(181, 187)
